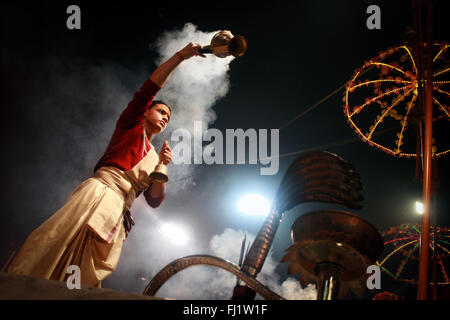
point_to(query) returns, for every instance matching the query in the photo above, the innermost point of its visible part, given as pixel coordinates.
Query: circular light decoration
(383, 96)
(254, 204)
(400, 257)
(174, 233)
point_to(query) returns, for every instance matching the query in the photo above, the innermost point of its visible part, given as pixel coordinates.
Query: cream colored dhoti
(88, 230)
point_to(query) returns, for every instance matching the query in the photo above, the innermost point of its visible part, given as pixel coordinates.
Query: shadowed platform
(18, 287)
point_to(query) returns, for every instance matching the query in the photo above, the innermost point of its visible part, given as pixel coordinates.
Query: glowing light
(388, 87)
(174, 233)
(383, 115)
(339, 244)
(400, 250)
(404, 123)
(254, 204)
(419, 207)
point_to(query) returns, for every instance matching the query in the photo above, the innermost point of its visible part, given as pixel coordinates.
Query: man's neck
(149, 133)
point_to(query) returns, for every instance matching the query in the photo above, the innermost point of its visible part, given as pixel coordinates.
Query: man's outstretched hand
(162, 73)
(190, 50)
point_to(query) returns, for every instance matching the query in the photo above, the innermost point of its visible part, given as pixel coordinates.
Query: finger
(164, 146)
(167, 156)
(163, 152)
(167, 149)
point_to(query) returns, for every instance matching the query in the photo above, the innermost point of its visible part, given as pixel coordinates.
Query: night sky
(63, 90)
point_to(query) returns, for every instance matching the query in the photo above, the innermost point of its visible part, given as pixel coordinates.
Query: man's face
(157, 117)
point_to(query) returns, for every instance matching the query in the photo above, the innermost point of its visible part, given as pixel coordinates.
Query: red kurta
(125, 148)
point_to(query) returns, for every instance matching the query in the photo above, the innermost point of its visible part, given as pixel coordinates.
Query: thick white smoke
(191, 91)
(197, 83)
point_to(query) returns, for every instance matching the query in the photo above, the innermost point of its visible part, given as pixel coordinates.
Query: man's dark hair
(159, 102)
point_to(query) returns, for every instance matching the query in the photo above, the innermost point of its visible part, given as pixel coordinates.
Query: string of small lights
(400, 250)
(394, 66)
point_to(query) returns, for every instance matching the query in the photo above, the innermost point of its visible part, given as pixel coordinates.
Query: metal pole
(329, 281)
(435, 235)
(425, 230)
(257, 254)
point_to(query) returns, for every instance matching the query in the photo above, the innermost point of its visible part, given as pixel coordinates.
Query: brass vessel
(224, 44)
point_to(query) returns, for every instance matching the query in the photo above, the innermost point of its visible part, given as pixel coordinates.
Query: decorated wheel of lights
(383, 94)
(401, 253)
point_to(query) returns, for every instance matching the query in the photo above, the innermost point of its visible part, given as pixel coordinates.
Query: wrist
(179, 56)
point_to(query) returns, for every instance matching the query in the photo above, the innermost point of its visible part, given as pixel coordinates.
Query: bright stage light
(174, 233)
(254, 204)
(419, 207)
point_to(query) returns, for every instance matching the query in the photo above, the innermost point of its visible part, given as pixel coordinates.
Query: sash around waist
(119, 182)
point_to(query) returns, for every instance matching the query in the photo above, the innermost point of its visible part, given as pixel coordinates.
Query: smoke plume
(191, 91)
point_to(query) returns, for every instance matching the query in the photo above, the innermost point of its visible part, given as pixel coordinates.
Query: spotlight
(419, 207)
(254, 204)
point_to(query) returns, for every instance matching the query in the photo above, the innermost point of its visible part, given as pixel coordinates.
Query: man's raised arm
(136, 108)
(162, 73)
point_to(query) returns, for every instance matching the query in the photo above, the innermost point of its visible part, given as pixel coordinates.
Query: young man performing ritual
(89, 230)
